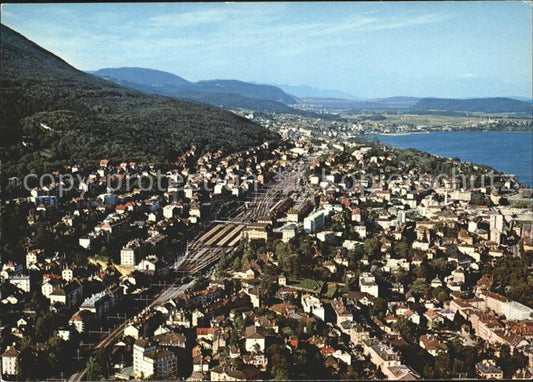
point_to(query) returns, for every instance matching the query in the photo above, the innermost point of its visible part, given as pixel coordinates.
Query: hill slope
(246, 89)
(484, 105)
(143, 76)
(90, 118)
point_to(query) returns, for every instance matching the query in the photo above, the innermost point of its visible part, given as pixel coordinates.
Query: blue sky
(443, 49)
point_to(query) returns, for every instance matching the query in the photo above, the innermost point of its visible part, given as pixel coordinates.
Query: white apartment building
(21, 282)
(367, 284)
(314, 222)
(312, 305)
(151, 362)
(10, 361)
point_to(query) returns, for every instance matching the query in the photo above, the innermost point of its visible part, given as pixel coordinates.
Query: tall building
(314, 222)
(129, 254)
(151, 362)
(496, 222)
(10, 361)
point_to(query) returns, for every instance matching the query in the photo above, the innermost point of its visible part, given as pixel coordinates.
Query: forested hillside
(54, 114)
(484, 105)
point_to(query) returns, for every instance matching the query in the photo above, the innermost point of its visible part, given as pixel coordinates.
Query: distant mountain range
(234, 94)
(339, 104)
(484, 105)
(229, 94)
(421, 105)
(88, 118)
(303, 91)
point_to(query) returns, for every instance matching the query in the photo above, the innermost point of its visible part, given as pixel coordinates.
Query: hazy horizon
(367, 50)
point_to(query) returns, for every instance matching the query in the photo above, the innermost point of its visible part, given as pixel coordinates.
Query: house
(22, 282)
(255, 296)
(367, 284)
(10, 361)
(431, 344)
(152, 265)
(487, 369)
(171, 340)
(341, 312)
(433, 317)
(246, 373)
(80, 320)
(435, 283)
(33, 257)
(288, 232)
(140, 347)
(206, 334)
(67, 274)
(293, 215)
(68, 296)
(49, 285)
(400, 373)
(99, 303)
(313, 306)
(179, 318)
(200, 362)
(255, 341)
(258, 360)
(501, 305)
(358, 333)
(381, 354)
(330, 266)
(256, 231)
(356, 215)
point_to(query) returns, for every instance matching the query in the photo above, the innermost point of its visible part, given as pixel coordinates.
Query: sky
(430, 49)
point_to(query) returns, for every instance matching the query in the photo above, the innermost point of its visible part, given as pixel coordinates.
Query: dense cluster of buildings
(383, 254)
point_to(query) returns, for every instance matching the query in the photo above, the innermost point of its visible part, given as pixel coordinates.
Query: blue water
(509, 152)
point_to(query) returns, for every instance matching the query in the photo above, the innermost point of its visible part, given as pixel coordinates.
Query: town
(321, 256)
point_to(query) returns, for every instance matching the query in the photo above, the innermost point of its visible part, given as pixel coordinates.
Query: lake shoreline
(501, 150)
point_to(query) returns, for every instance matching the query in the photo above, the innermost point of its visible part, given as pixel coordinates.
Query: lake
(509, 152)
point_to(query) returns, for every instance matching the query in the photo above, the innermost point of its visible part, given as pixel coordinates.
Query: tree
(478, 199)
(290, 265)
(420, 288)
(440, 294)
(406, 328)
(38, 303)
(223, 262)
(510, 363)
(237, 263)
(379, 308)
(401, 249)
(278, 362)
(94, 370)
(81, 258)
(239, 324)
(372, 246)
(423, 271)
(43, 237)
(44, 326)
(442, 365)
